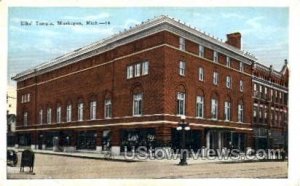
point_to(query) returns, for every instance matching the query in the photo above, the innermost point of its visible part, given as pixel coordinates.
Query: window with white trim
(200, 106)
(228, 81)
(93, 110)
(241, 67)
(49, 115)
(241, 113)
(214, 108)
(129, 72)
(182, 68)
(80, 111)
(215, 57)
(201, 74)
(25, 119)
(201, 51)
(180, 103)
(145, 68)
(181, 43)
(215, 78)
(241, 86)
(41, 116)
(137, 70)
(58, 114)
(228, 62)
(108, 109)
(69, 113)
(227, 110)
(137, 104)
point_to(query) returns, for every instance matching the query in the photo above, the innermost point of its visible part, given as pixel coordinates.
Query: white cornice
(162, 23)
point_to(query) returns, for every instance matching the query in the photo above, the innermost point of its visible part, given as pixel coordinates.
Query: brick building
(131, 88)
(270, 106)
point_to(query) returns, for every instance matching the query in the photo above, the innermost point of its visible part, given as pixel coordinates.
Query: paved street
(53, 166)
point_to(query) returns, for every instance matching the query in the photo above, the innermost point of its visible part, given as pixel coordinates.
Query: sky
(264, 30)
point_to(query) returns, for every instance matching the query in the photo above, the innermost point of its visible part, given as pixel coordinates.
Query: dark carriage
(27, 160)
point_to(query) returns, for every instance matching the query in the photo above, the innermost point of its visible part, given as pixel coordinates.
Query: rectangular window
(181, 103)
(241, 67)
(241, 86)
(69, 113)
(28, 97)
(228, 81)
(25, 119)
(182, 68)
(137, 104)
(137, 70)
(80, 112)
(41, 116)
(215, 78)
(214, 108)
(227, 109)
(200, 107)
(201, 74)
(201, 51)
(108, 109)
(58, 114)
(129, 72)
(240, 113)
(93, 109)
(145, 68)
(215, 57)
(228, 62)
(49, 114)
(181, 43)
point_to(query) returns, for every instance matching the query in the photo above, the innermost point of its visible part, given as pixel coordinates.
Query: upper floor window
(181, 103)
(241, 86)
(240, 112)
(227, 110)
(214, 108)
(80, 111)
(200, 107)
(241, 67)
(69, 113)
(228, 81)
(108, 109)
(228, 62)
(201, 74)
(201, 51)
(215, 57)
(93, 109)
(182, 68)
(260, 88)
(129, 72)
(49, 115)
(25, 98)
(215, 78)
(145, 68)
(41, 116)
(137, 104)
(58, 114)
(25, 119)
(137, 70)
(181, 43)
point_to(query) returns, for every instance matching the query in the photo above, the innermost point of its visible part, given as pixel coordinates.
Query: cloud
(232, 16)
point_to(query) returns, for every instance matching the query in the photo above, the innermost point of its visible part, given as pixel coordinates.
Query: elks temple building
(131, 89)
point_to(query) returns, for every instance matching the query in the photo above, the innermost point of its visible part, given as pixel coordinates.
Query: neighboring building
(11, 100)
(131, 89)
(270, 108)
(11, 128)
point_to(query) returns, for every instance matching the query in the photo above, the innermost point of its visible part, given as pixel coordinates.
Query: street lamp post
(183, 126)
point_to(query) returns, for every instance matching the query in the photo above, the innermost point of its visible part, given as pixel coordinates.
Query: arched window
(69, 112)
(181, 100)
(80, 110)
(214, 106)
(227, 109)
(49, 115)
(241, 112)
(200, 104)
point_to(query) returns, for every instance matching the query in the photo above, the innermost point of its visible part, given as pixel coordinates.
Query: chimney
(234, 39)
